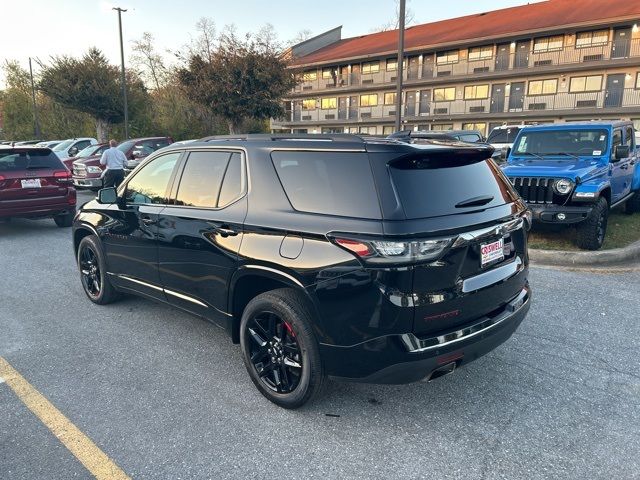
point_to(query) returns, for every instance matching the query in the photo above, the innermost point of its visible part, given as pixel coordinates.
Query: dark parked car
(35, 184)
(322, 255)
(87, 172)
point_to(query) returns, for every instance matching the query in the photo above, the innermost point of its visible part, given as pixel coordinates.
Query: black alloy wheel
(275, 353)
(90, 271)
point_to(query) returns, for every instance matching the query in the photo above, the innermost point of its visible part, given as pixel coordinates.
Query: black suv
(323, 255)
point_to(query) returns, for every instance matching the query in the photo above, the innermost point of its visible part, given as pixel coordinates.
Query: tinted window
(13, 160)
(201, 179)
(232, 184)
(628, 137)
(428, 189)
(617, 138)
(469, 137)
(62, 145)
(503, 135)
(334, 183)
(82, 144)
(149, 184)
(147, 147)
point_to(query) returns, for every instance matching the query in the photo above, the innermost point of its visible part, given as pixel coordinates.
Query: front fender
(590, 190)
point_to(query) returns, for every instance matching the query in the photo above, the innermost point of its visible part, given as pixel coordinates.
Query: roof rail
(326, 137)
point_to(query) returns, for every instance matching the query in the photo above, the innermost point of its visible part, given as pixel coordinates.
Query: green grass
(622, 230)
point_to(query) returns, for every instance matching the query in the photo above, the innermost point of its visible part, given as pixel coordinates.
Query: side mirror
(620, 152)
(73, 151)
(107, 195)
(504, 153)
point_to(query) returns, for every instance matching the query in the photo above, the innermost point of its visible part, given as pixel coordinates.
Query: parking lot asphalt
(165, 395)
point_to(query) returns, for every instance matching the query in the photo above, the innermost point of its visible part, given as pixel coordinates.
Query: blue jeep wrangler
(574, 173)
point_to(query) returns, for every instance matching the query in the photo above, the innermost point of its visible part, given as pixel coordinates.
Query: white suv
(71, 146)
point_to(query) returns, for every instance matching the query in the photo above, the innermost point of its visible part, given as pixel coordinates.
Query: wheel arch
(79, 233)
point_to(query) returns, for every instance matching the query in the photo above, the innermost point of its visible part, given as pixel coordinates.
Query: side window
(628, 137)
(232, 185)
(617, 139)
(82, 144)
(201, 179)
(149, 184)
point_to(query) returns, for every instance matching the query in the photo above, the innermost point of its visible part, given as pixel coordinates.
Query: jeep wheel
(279, 348)
(65, 220)
(591, 232)
(93, 272)
(633, 204)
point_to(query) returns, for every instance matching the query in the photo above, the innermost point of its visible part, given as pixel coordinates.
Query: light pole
(401, 14)
(122, 76)
(36, 124)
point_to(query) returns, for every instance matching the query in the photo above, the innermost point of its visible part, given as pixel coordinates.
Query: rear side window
(14, 160)
(429, 190)
(210, 180)
(332, 183)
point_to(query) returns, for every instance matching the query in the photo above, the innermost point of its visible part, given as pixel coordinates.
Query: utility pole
(401, 15)
(36, 123)
(122, 76)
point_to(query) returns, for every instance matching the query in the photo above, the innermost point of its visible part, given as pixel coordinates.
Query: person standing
(114, 160)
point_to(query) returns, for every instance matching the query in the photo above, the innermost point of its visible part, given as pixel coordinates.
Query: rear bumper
(37, 208)
(567, 214)
(87, 182)
(397, 359)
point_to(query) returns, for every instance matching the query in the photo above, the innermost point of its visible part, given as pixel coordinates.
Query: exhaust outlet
(441, 371)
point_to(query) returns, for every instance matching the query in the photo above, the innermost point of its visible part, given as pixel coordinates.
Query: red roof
(497, 23)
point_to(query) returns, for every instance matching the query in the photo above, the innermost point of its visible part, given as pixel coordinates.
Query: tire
(633, 204)
(276, 334)
(591, 232)
(93, 269)
(65, 220)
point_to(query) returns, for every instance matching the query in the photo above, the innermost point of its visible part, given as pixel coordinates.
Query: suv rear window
(333, 183)
(431, 189)
(12, 160)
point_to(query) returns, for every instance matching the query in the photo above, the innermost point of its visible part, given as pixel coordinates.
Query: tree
(91, 85)
(146, 59)
(394, 23)
(243, 78)
(300, 37)
(16, 103)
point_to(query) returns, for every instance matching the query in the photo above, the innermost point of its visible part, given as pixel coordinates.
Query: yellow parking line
(81, 446)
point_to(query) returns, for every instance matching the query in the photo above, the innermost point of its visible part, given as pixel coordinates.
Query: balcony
(588, 103)
(611, 53)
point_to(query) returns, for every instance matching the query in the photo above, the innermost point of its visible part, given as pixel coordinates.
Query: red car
(87, 172)
(34, 183)
(87, 152)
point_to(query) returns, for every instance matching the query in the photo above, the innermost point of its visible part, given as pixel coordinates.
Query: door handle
(224, 230)
(148, 221)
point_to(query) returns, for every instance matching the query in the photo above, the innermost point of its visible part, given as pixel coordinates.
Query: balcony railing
(575, 102)
(511, 62)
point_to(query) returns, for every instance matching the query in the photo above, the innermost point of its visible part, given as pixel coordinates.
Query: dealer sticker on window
(490, 252)
(31, 183)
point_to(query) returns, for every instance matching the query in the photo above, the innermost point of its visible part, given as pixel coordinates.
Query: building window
(638, 80)
(476, 91)
(310, 76)
(480, 53)
(329, 73)
(444, 58)
(368, 130)
(547, 44)
(390, 98)
(442, 126)
(309, 104)
(371, 67)
(590, 39)
(481, 127)
(392, 64)
(543, 87)
(329, 103)
(592, 83)
(444, 94)
(370, 100)
(387, 130)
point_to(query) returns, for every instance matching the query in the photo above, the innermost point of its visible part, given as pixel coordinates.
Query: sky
(45, 28)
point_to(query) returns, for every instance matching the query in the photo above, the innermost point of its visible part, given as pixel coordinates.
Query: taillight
(2, 179)
(62, 176)
(386, 251)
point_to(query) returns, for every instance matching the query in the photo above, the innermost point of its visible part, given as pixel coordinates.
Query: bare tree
(300, 37)
(145, 58)
(205, 43)
(394, 23)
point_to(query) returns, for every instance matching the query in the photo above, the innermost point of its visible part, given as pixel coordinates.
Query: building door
(497, 98)
(410, 104)
(615, 90)
(343, 109)
(621, 46)
(344, 76)
(522, 54)
(355, 75)
(425, 102)
(516, 96)
(353, 107)
(502, 57)
(412, 71)
(297, 110)
(427, 66)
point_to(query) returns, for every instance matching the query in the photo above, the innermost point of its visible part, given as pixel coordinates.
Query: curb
(614, 257)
